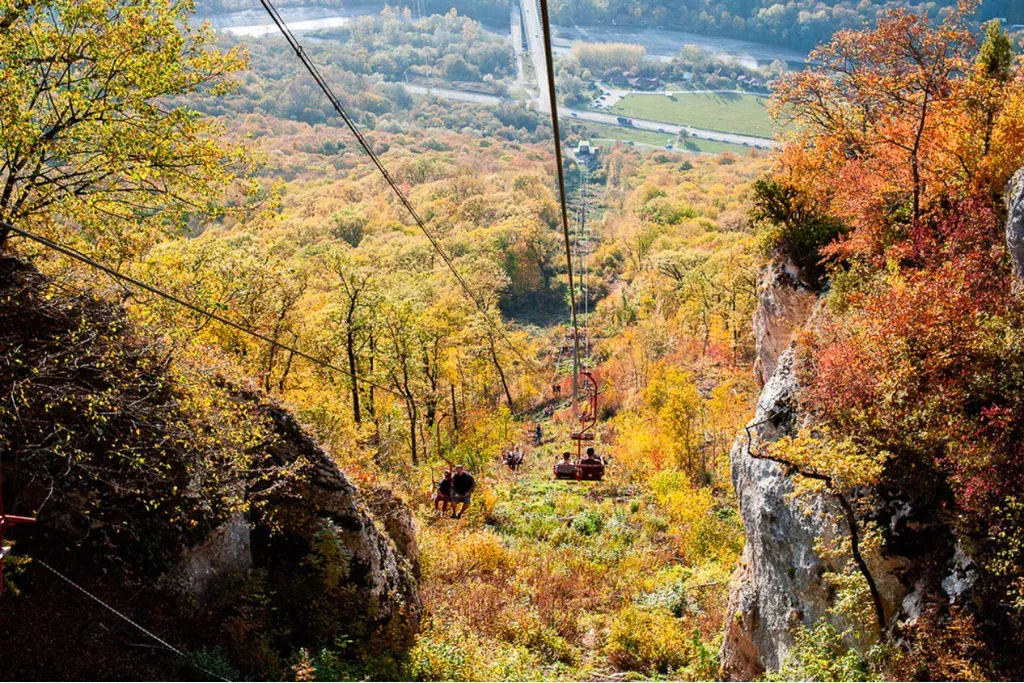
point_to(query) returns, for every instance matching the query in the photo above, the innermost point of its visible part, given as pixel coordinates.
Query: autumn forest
(245, 336)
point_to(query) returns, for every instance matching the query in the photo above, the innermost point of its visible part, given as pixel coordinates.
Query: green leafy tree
(87, 136)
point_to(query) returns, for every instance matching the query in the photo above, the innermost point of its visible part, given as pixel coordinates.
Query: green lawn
(601, 132)
(646, 137)
(712, 147)
(724, 112)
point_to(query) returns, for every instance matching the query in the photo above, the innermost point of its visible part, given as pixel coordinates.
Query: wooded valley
(236, 359)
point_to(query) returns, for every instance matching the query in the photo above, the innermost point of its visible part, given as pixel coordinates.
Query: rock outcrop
(779, 585)
(784, 303)
(1015, 226)
(316, 517)
(169, 484)
(378, 591)
(226, 551)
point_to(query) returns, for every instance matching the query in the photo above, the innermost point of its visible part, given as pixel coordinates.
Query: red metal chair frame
(5, 522)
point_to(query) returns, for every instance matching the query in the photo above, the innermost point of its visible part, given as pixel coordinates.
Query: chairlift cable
(163, 643)
(74, 254)
(552, 96)
(368, 148)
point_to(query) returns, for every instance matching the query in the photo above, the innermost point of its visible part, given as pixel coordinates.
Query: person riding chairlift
(514, 458)
(463, 484)
(443, 494)
(592, 458)
(565, 468)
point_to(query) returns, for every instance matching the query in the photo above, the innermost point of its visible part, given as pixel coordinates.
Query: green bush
(437, 660)
(209, 665)
(672, 597)
(820, 655)
(588, 522)
(789, 224)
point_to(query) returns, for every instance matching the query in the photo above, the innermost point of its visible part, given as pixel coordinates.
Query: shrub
(436, 659)
(588, 522)
(672, 597)
(790, 224)
(819, 654)
(209, 665)
(648, 641)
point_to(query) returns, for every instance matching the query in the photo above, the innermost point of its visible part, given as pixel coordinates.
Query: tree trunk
(501, 374)
(411, 409)
(350, 349)
(370, 405)
(455, 410)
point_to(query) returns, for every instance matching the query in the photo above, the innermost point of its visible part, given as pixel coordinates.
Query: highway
(535, 43)
(516, 32)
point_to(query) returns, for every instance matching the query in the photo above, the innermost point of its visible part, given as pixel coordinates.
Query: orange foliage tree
(899, 118)
(905, 136)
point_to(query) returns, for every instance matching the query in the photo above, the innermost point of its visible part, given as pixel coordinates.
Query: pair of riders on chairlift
(566, 467)
(514, 457)
(456, 489)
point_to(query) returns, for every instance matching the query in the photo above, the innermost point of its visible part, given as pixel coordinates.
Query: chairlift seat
(588, 472)
(565, 471)
(584, 436)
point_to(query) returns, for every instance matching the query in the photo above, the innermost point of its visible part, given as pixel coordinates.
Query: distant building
(586, 154)
(644, 83)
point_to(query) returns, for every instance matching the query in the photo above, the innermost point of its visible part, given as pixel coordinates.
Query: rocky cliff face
(1015, 225)
(784, 303)
(779, 585)
(168, 486)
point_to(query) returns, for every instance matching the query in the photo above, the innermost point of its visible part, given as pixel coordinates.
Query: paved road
(516, 32)
(535, 41)
(451, 94)
(670, 129)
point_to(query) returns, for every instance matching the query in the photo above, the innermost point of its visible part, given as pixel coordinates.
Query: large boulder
(227, 550)
(299, 524)
(168, 483)
(379, 589)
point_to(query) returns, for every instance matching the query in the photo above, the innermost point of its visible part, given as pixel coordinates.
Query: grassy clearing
(602, 133)
(725, 112)
(711, 147)
(570, 580)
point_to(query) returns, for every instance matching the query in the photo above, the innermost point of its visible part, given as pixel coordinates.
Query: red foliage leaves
(926, 366)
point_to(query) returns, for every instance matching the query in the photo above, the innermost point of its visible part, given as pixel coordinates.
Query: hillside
(179, 495)
(238, 359)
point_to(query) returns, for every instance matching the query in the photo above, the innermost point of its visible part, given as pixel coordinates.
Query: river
(660, 43)
(255, 23)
